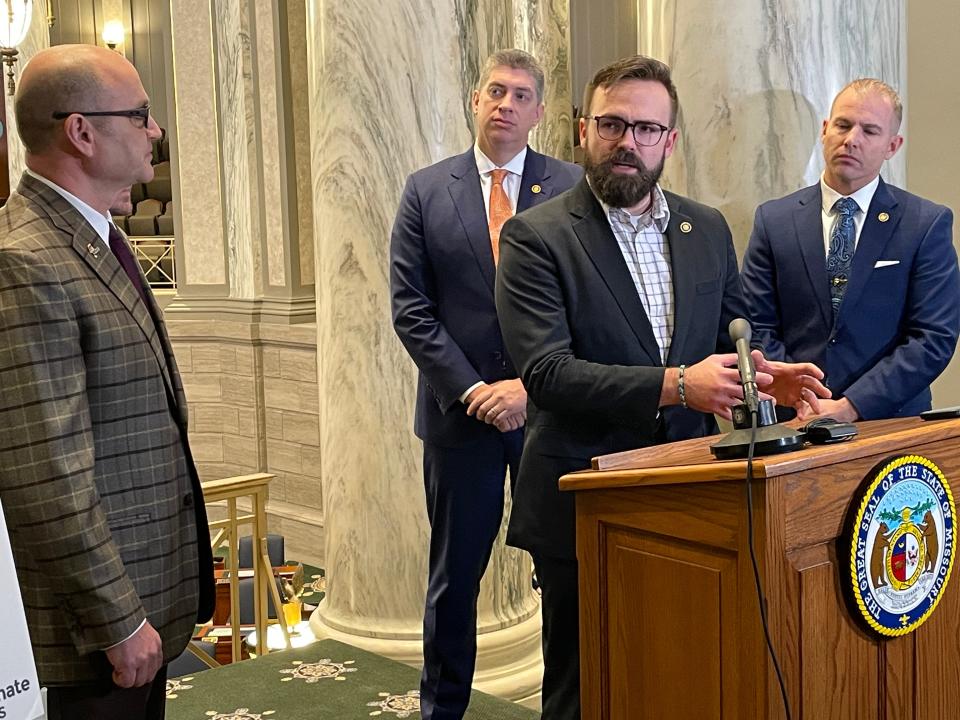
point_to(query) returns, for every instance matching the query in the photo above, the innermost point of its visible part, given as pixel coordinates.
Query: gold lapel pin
(883, 217)
(536, 189)
(93, 250)
(685, 227)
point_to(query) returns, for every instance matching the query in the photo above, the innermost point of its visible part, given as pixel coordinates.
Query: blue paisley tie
(840, 257)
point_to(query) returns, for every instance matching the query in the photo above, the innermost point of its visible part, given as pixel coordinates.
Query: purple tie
(129, 264)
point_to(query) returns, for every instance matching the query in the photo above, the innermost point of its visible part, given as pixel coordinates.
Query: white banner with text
(19, 689)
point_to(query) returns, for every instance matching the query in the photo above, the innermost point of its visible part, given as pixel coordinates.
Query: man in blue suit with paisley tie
(471, 407)
(855, 275)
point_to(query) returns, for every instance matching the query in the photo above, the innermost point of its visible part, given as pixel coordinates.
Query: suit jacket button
(188, 500)
(497, 355)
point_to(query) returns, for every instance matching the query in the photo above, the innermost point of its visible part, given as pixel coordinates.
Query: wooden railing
(226, 532)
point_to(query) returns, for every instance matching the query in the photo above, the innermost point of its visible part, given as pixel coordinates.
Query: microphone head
(740, 330)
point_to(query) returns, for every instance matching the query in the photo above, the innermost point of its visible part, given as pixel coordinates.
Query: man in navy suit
(855, 275)
(471, 407)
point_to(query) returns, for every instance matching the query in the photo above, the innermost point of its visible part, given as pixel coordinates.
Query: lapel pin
(685, 227)
(93, 250)
(536, 189)
(883, 217)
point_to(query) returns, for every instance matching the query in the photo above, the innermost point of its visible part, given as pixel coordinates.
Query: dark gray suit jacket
(102, 501)
(575, 326)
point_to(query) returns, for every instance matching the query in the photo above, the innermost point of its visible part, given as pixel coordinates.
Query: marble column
(243, 212)
(38, 38)
(755, 80)
(242, 318)
(199, 219)
(542, 29)
(390, 94)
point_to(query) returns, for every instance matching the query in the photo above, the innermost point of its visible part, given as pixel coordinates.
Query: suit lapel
(94, 252)
(808, 226)
(873, 239)
(535, 174)
(683, 266)
(467, 196)
(108, 269)
(163, 349)
(593, 230)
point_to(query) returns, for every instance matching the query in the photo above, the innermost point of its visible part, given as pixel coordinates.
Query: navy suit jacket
(575, 325)
(442, 278)
(898, 323)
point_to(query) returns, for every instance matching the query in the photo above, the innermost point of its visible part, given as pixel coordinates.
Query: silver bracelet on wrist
(681, 389)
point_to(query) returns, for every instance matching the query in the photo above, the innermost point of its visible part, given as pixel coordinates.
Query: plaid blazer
(100, 492)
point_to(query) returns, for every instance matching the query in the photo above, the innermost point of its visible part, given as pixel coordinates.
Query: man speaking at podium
(857, 275)
(614, 299)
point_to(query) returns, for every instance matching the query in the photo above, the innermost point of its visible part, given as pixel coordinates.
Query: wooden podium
(669, 618)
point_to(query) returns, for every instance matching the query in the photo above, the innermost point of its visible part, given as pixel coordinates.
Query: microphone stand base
(770, 440)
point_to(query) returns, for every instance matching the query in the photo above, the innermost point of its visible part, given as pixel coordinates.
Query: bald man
(100, 491)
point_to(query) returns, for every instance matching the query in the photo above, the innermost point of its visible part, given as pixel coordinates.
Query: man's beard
(621, 191)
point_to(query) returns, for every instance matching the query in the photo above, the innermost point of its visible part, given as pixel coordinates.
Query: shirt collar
(863, 197)
(658, 213)
(486, 165)
(100, 223)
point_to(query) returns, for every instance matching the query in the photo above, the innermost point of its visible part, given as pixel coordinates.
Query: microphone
(766, 435)
(741, 333)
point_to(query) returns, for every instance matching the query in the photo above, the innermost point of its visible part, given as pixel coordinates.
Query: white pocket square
(886, 263)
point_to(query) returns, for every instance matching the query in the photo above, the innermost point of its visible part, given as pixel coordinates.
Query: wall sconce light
(15, 17)
(51, 18)
(113, 34)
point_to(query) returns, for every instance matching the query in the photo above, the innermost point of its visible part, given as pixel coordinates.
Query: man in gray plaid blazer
(101, 496)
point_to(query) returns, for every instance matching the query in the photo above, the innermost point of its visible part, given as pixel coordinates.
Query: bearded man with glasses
(614, 300)
(97, 482)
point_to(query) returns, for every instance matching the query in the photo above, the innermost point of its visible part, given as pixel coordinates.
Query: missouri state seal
(902, 544)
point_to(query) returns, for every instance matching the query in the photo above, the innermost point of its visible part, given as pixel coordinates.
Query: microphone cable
(761, 599)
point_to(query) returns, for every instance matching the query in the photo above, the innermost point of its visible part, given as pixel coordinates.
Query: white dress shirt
(100, 223)
(511, 186)
(511, 183)
(828, 216)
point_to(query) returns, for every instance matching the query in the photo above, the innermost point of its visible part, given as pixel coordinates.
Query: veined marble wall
(202, 260)
(755, 79)
(238, 138)
(542, 29)
(297, 140)
(389, 95)
(241, 318)
(241, 223)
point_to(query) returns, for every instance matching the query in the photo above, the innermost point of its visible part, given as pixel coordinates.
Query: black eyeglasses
(141, 113)
(645, 132)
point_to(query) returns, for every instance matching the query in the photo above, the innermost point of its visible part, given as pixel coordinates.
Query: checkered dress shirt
(647, 254)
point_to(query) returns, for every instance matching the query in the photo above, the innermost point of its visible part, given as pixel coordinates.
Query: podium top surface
(690, 461)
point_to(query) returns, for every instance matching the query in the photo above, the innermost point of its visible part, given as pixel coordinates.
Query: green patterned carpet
(324, 681)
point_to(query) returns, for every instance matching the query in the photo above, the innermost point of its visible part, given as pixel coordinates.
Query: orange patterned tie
(500, 211)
